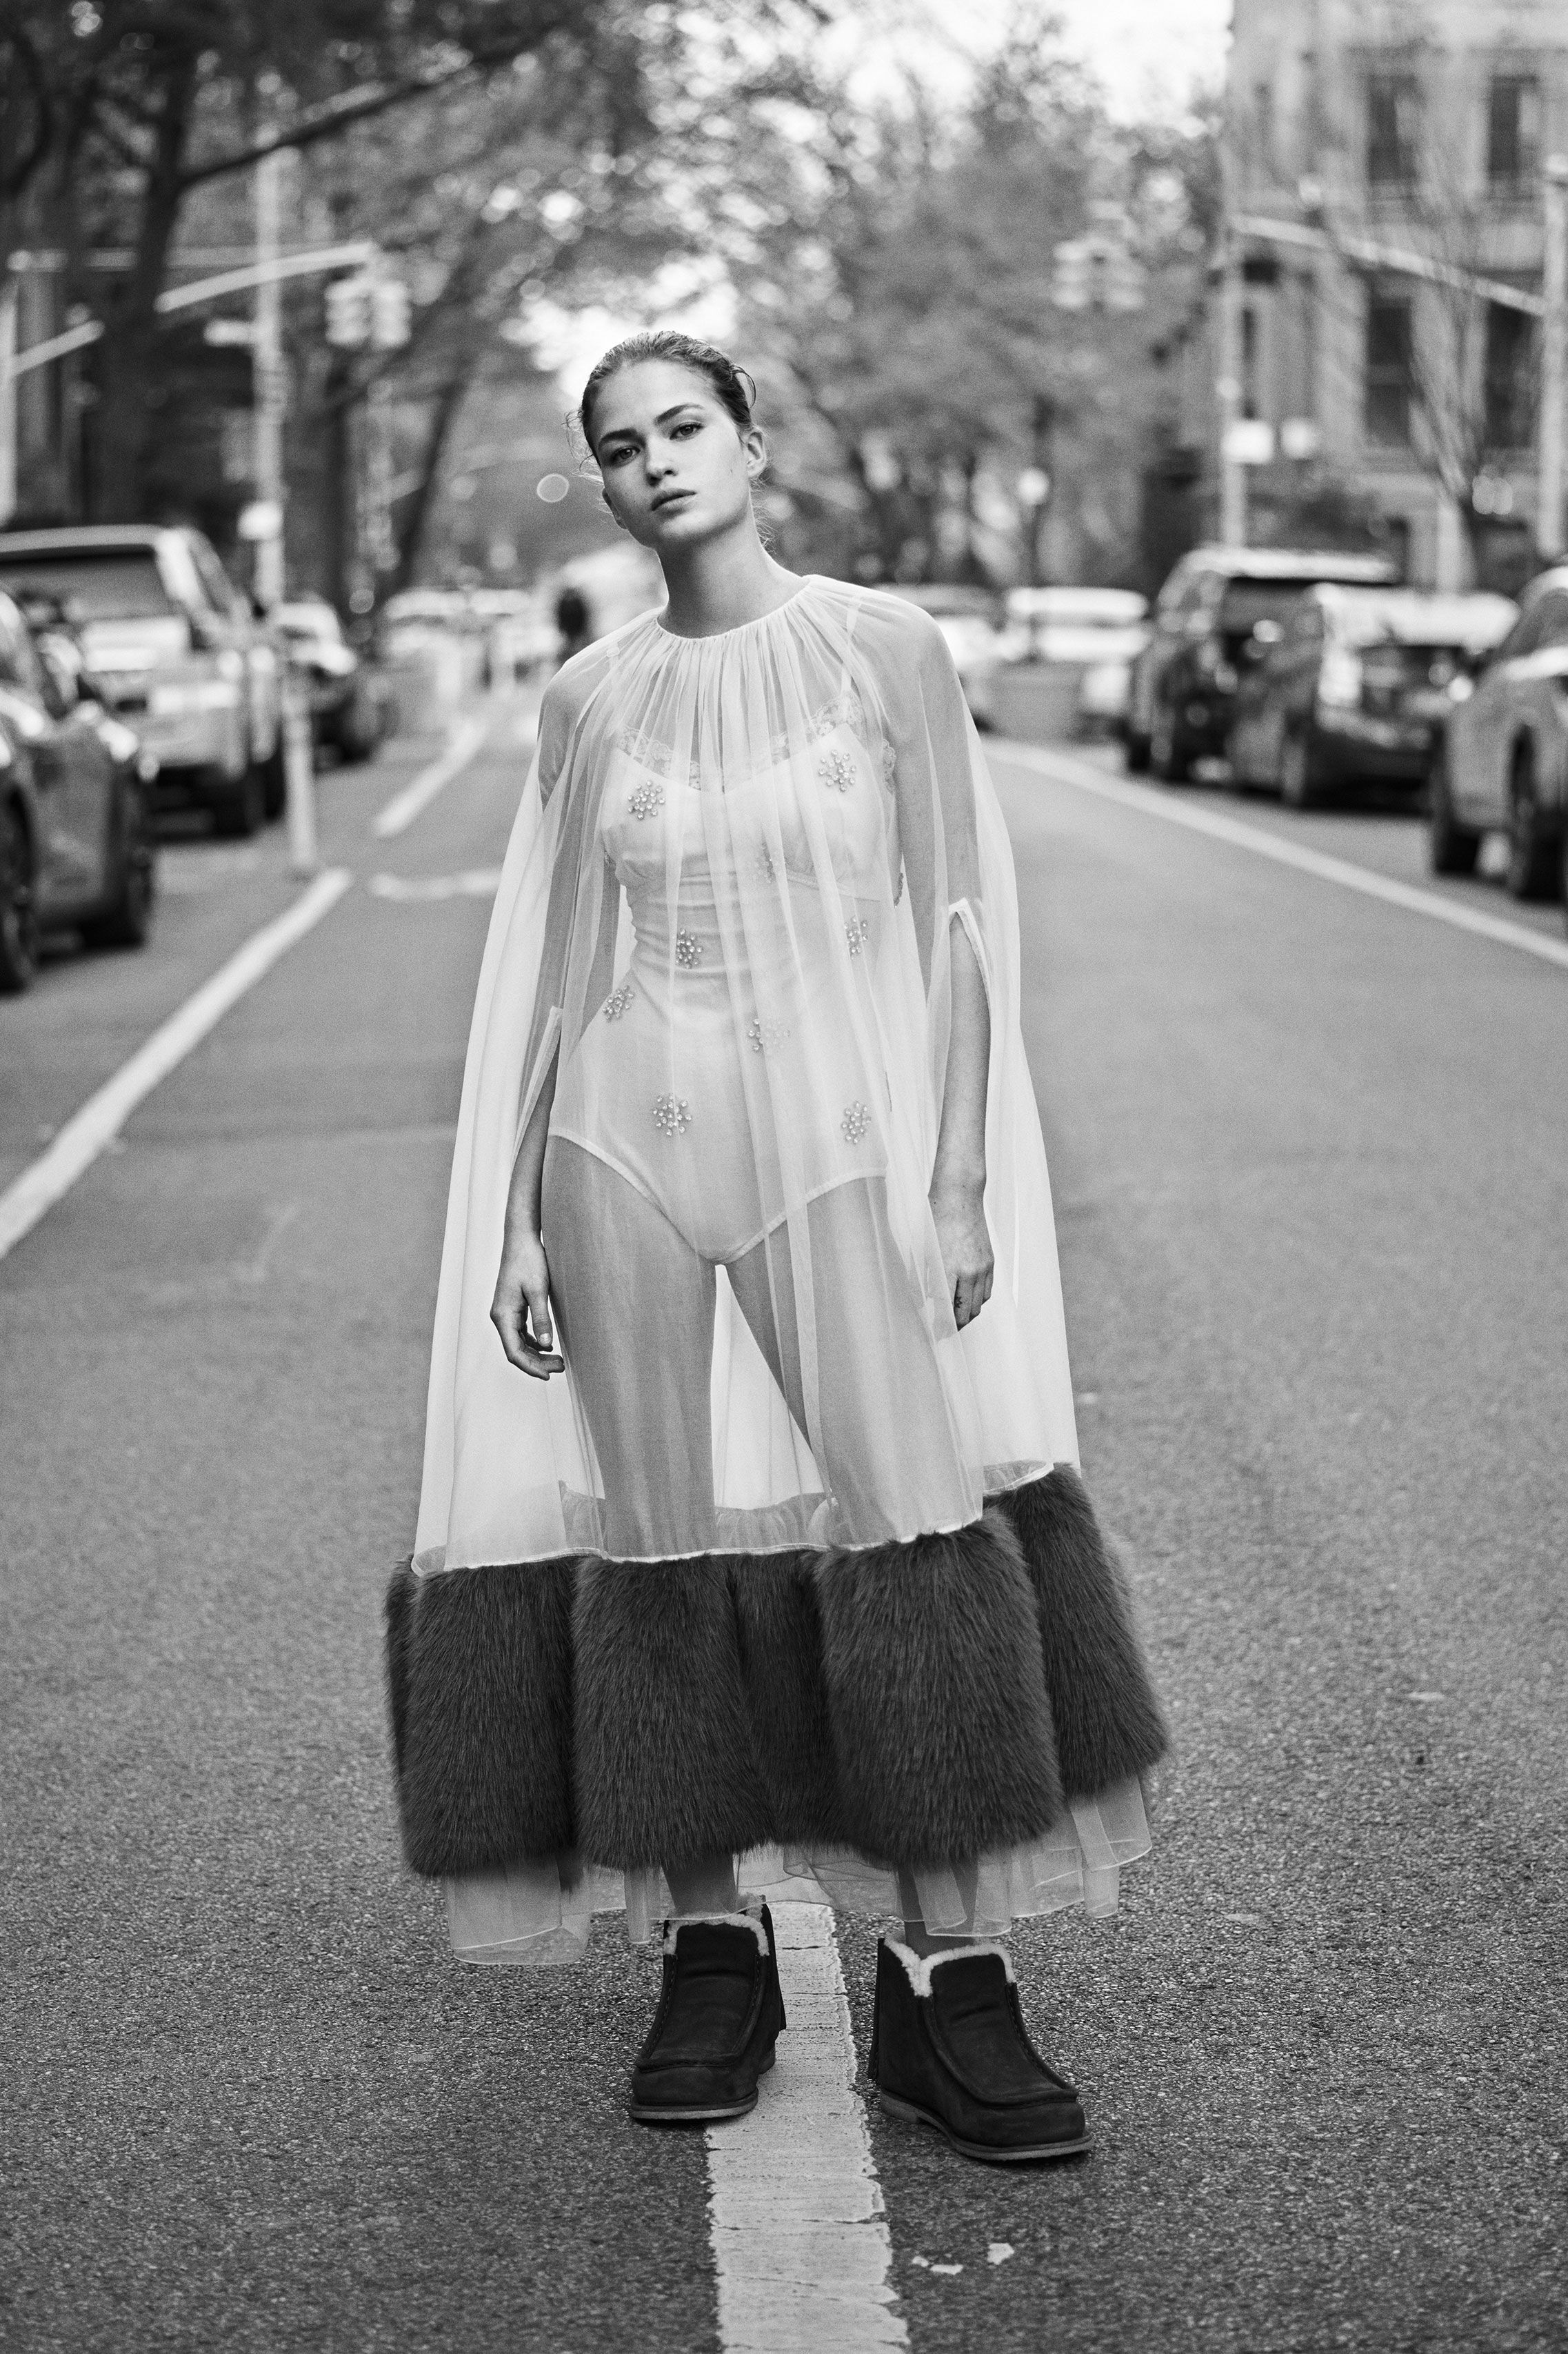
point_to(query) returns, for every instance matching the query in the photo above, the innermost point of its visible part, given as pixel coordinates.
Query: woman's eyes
(630, 449)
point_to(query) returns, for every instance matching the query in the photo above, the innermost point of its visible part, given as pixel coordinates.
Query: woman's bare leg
(635, 1307)
(867, 1334)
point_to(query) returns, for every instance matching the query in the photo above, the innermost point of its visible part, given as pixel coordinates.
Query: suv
(1503, 758)
(173, 644)
(1184, 682)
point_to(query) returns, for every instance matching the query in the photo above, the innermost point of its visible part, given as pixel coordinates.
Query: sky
(1149, 55)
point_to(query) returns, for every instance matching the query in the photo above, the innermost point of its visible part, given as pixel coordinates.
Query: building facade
(1380, 160)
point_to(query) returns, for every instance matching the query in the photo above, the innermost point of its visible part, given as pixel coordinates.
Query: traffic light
(348, 311)
(389, 314)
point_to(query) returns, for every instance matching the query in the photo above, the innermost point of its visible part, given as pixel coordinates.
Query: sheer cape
(725, 917)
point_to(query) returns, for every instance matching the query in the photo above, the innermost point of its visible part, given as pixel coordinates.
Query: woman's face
(677, 469)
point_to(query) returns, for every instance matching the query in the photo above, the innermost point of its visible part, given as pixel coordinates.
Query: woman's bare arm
(523, 1286)
(957, 1180)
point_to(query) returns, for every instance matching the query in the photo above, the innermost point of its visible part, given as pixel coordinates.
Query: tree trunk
(127, 368)
(416, 509)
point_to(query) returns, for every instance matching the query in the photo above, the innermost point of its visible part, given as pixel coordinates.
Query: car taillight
(1339, 679)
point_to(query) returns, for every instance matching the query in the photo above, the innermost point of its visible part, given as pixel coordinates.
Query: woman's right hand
(523, 1298)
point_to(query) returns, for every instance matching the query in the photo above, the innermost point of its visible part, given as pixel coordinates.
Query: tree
(896, 266)
(117, 111)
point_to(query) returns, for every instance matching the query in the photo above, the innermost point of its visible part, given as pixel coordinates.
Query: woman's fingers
(541, 1343)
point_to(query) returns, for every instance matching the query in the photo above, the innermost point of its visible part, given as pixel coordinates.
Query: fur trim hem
(752, 1921)
(662, 1756)
(919, 1968)
(1110, 1726)
(941, 1727)
(479, 1673)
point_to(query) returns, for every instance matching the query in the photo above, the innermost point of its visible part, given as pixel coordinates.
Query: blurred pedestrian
(574, 622)
(791, 1564)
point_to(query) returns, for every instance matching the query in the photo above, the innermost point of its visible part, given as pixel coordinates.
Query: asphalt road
(1310, 1160)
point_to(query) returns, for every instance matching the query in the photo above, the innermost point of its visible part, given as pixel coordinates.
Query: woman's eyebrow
(629, 432)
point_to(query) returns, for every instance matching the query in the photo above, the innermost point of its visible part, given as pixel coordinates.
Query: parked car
(76, 827)
(1184, 682)
(350, 702)
(1502, 761)
(177, 651)
(1353, 686)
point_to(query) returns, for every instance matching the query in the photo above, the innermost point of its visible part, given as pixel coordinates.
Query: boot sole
(907, 2114)
(644, 2113)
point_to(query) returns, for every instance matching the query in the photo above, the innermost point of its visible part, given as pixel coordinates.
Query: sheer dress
(725, 922)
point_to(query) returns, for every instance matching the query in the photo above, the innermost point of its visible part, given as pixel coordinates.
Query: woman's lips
(668, 499)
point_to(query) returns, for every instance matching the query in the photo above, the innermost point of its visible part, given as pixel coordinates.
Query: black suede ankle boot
(712, 2034)
(948, 2049)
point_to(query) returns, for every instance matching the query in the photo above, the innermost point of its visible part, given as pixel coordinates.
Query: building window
(1393, 129)
(1388, 371)
(1513, 132)
(1509, 378)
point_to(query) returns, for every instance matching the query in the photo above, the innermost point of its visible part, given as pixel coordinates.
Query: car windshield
(109, 585)
(1247, 602)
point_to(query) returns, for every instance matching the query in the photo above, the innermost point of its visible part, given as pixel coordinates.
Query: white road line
(1062, 769)
(473, 883)
(420, 791)
(92, 1130)
(795, 2212)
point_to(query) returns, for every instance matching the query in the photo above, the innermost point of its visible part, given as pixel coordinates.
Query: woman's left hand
(958, 1213)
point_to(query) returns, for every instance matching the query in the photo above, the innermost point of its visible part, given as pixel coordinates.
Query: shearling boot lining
(918, 1968)
(752, 1921)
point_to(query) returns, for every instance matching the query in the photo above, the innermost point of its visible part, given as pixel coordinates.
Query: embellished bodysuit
(735, 1067)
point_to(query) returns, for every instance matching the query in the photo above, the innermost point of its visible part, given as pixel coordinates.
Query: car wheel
(1451, 848)
(1135, 750)
(1168, 756)
(18, 912)
(240, 810)
(1300, 783)
(126, 922)
(1532, 864)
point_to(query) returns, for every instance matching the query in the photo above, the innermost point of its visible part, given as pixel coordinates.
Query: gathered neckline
(736, 629)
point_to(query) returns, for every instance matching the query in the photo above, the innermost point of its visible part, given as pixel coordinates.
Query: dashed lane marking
(474, 883)
(93, 1129)
(419, 791)
(1062, 769)
(794, 2210)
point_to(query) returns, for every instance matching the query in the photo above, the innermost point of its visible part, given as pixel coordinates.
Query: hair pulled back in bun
(734, 387)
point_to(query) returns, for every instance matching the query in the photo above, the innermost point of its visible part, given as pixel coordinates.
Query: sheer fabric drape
(725, 917)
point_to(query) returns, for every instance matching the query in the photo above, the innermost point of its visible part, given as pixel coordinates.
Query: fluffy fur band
(923, 1702)
(941, 1728)
(1108, 1723)
(480, 1683)
(918, 1968)
(664, 1758)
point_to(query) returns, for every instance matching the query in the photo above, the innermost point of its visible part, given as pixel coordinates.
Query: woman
(749, 1526)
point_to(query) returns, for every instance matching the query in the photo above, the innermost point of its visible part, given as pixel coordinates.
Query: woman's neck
(722, 583)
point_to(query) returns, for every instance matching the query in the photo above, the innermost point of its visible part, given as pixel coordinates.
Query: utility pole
(8, 306)
(1228, 383)
(1554, 360)
(267, 374)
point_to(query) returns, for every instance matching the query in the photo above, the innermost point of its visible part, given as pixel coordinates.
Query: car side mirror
(203, 635)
